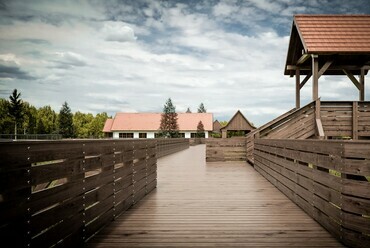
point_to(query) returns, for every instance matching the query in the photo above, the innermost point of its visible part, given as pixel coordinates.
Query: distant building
(237, 123)
(217, 126)
(146, 125)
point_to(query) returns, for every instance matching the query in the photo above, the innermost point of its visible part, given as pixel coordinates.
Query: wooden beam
(353, 79)
(362, 84)
(324, 68)
(305, 80)
(303, 58)
(297, 89)
(332, 68)
(355, 121)
(320, 129)
(315, 77)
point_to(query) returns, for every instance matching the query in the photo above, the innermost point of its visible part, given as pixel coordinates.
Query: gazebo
(329, 45)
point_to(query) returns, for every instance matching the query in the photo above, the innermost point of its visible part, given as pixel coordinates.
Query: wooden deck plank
(219, 204)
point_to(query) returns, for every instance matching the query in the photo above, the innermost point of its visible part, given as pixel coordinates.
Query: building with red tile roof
(146, 125)
(329, 45)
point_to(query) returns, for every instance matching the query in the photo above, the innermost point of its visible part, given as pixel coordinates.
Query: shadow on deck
(220, 204)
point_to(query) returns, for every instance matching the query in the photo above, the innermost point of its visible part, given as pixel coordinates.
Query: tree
(188, 110)
(169, 127)
(47, 120)
(202, 109)
(16, 109)
(97, 125)
(200, 130)
(82, 123)
(223, 123)
(30, 119)
(66, 121)
(6, 122)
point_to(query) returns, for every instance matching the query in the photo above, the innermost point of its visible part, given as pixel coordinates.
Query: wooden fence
(350, 119)
(232, 149)
(327, 179)
(63, 192)
(168, 146)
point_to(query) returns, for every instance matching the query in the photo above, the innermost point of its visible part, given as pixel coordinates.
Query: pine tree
(169, 127)
(202, 109)
(66, 121)
(16, 109)
(188, 110)
(200, 130)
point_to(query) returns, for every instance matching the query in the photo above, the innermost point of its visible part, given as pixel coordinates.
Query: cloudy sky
(131, 56)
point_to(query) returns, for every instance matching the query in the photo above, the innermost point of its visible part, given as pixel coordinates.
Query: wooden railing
(168, 146)
(346, 119)
(232, 149)
(63, 192)
(327, 179)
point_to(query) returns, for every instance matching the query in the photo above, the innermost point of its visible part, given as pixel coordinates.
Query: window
(142, 135)
(156, 135)
(126, 135)
(193, 135)
(181, 135)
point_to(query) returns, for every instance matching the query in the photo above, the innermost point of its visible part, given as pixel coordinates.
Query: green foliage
(169, 127)
(200, 130)
(6, 123)
(235, 134)
(223, 123)
(216, 135)
(47, 121)
(65, 121)
(30, 119)
(82, 123)
(97, 125)
(202, 109)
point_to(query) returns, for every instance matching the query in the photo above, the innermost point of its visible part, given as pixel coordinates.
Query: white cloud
(70, 59)
(117, 31)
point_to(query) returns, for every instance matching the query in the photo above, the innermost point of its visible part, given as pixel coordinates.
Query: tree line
(20, 117)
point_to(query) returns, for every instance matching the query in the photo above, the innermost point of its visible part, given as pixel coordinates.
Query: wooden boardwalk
(212, 205)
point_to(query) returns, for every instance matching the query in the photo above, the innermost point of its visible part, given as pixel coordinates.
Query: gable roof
(151, 122)
(345, 36)
(108, 125)
(238, 123)
(216, 126)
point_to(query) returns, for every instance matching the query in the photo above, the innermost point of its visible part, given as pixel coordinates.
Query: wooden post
(319, 127)
(315, 77)
(224, 134)
(297, 89)
(354, 121)
(362, 85)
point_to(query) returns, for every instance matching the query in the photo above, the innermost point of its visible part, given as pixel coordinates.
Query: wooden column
(297, 89)
(315, 77)
(354, 121)
(362, 85)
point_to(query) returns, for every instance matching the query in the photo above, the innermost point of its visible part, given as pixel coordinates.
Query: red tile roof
(108, 125)
(334, 33)
(151, 122)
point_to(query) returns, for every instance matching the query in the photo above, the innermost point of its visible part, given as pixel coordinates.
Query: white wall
(151, 135)
(115, 135)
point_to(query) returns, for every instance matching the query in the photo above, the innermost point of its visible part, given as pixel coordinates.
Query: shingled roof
(334, 33)
(344, 36)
